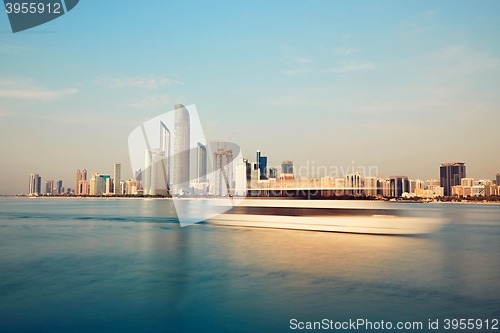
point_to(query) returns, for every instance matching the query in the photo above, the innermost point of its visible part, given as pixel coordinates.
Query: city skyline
(246, 175)
(410, 92)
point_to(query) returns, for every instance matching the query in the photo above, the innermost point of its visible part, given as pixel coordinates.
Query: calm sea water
(84, 265)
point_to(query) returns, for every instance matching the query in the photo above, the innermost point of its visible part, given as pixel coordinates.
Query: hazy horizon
(400, 86)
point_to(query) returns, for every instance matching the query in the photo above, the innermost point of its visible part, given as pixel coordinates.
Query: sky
(403, 86)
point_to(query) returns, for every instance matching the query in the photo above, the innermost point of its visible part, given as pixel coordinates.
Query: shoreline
(251, 198)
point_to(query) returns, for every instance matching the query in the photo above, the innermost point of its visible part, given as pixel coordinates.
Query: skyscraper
(262, 165)
(287, 169)
(273, 172)
(59, 187)
(371, 186)
(153, 172)
(223, 171)
(117, 178)
(181, 148)
(498, 179)
(81, 184)
(241, 178)
(78, 177)
(35, 185)
(155, 177)
(202, 163)
(165, 147)
(451, 174)
(49, 187)
(399, 185)
(96, 185)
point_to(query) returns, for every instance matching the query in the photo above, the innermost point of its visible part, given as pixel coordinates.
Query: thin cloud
(344, 51)
(352, 66)
(458, 59)
(150, 102)
(35, 94)
(28, 88)
(137, 82)
(299, 60)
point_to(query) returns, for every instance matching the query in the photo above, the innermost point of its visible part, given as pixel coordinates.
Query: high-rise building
(254, 179)
(81, 183)
(248, 168)
(49, 187)
(155, 177)
(223, 171)
(371, 186)
(108, 186)
(262, 165)
(241, 178)
(117, 178)
(60, 188)
(131, 187)
(78, 177)
(415, 184)
(165, 139)
(96, 185)
(273, 172)
(153, 172)
(431, 183)
(104, 182)
(451, 174)
(398, 185)
(181, 148)
(469, 182)
(287, 169)
(202, 163)
(353, 183)
(35, 185)
(498, 179)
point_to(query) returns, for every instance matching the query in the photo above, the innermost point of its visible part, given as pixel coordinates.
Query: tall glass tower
(451, 174)
(202, 163)
(181, 148)
(165, 148)
(117, 174)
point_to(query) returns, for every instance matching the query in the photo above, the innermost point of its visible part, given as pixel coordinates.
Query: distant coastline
(468, 201)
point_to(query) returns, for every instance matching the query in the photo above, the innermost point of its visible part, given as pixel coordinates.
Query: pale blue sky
(400, 85)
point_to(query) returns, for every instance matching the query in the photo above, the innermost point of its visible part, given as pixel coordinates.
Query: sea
(126, 265)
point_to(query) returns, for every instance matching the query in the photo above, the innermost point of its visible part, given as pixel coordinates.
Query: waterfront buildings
(287, 169)
(81, 183)
(153, 174)
(451, 174)
(398, 185)
(371, 186)
(49, 187)
(117, 177)
(467, 182)
(156, 174)
(241, 178)
(96, 184)
(181, 149)
(35, 184)
(273, 172)
(223, 171)
(262, 164)
(165, 139)
(77, 180)
(353, 183)
(202, 163)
